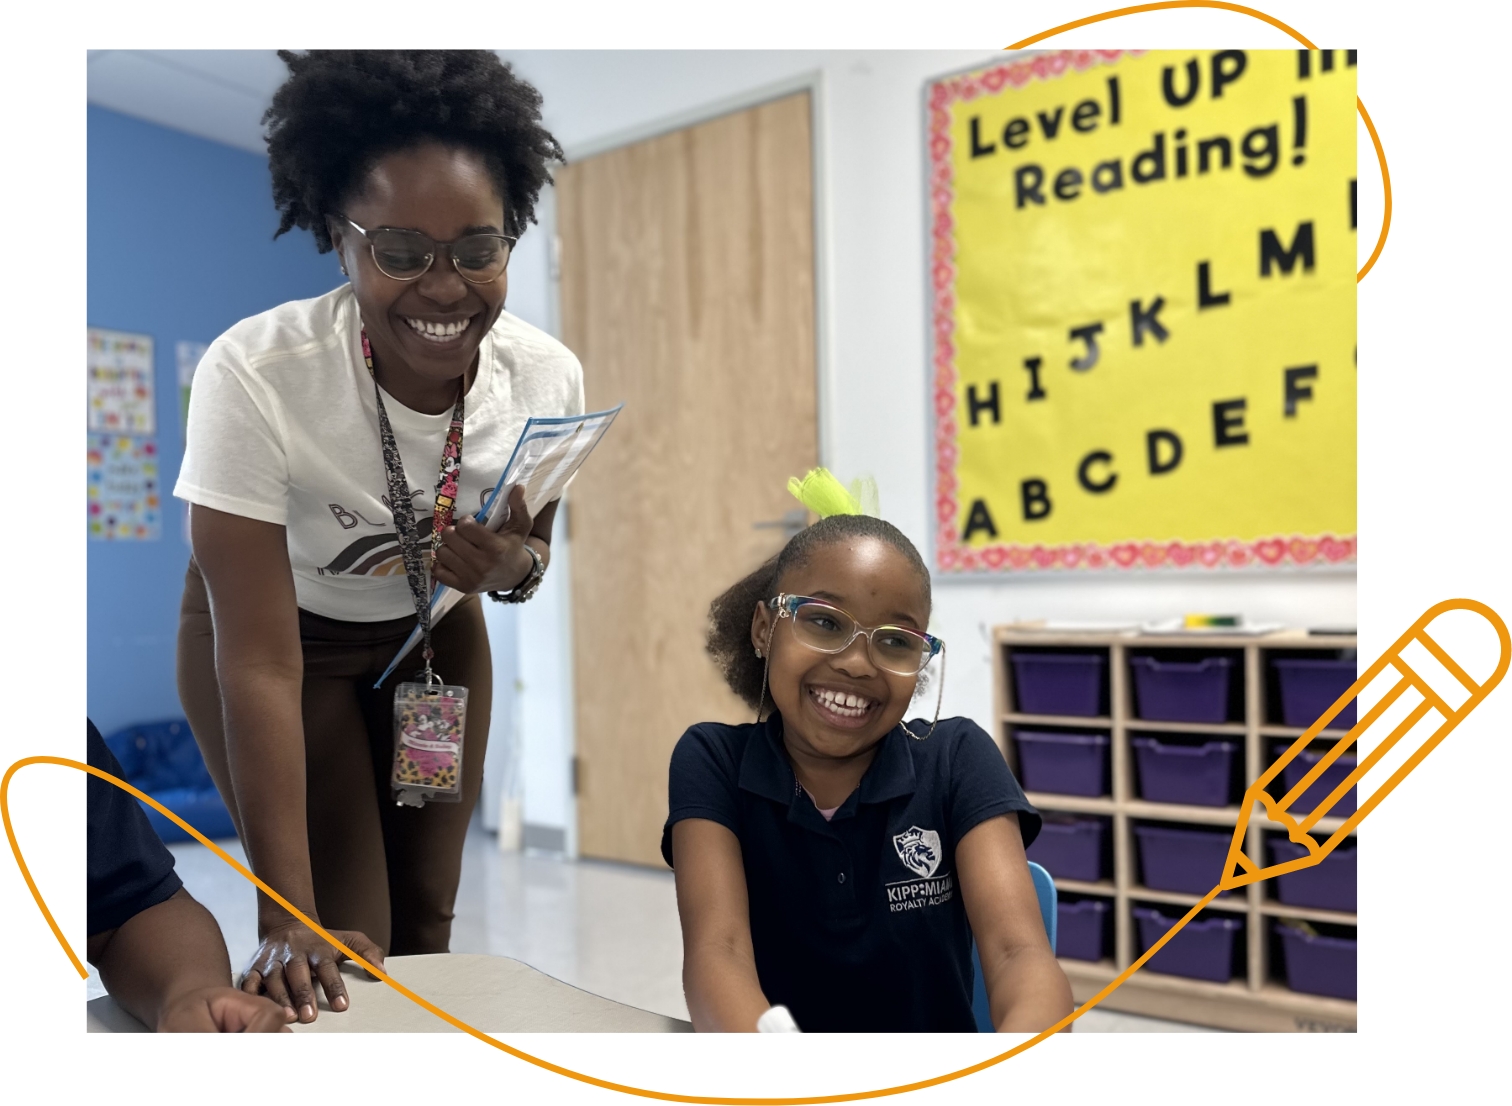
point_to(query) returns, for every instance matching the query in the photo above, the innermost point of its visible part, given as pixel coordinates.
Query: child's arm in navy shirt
(1026, 989)
(168, 967)
(160, 954)
(719, 960)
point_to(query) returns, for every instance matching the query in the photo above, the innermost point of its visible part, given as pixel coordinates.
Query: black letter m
(1272, 253)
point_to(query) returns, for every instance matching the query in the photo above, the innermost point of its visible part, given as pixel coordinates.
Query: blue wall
(180, 247)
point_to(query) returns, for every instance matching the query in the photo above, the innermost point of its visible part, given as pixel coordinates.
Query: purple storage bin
(1319, 965)
(1204, 949)
(1058, 683)
(1323, 786)
(1309, 687)
(1070, 848)
(1181, 691)
(1081, 931)
(1196, 774)
(1190, 861)
(1330, 885)
(1063, 763)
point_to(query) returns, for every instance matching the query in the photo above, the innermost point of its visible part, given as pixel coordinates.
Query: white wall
(873, 326)
(532, 642)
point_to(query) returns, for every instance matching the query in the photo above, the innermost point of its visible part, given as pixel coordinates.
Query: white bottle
(777, 1020)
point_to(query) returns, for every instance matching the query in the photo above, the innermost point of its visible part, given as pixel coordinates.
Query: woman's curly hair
(342, 110)
(729, 635)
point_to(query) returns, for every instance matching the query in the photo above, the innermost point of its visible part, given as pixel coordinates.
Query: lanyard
(399, 500)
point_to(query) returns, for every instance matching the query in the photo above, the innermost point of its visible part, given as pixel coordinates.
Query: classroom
(818, 334)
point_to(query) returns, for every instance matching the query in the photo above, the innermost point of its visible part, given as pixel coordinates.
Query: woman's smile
(439, 332)
(440, 335)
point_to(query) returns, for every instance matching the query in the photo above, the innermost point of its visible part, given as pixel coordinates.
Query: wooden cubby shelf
(1053, 720)
(1295, 732)
(1227, 901)
(1217, 729)
(1257, 999)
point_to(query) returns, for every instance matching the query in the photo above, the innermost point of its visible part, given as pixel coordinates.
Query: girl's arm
(719, 962)
(1026, 988)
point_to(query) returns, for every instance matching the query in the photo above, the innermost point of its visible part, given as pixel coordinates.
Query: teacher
(337, 449)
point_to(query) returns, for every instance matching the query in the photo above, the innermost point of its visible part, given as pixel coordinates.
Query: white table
(492, 993)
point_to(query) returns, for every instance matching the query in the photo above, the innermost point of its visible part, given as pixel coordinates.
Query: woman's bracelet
(527, 587)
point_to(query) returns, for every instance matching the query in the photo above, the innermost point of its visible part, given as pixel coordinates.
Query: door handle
(790, 523)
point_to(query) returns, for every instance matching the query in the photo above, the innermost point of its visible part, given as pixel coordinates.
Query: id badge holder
(430, 721)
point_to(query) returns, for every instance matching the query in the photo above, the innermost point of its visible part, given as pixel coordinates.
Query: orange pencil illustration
(1423, 690)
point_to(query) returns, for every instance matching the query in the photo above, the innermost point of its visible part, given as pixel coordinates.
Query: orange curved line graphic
(1392, 658)
(1385, 188)
(1137, 9)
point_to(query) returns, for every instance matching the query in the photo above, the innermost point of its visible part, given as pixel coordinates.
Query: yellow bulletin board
(1142, 274)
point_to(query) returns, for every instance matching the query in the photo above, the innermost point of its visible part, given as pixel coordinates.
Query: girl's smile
(841, 707)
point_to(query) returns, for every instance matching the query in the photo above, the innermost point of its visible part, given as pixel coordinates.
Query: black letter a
(979, 519)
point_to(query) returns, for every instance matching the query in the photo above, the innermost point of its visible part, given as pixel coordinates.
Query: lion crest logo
(919, 850)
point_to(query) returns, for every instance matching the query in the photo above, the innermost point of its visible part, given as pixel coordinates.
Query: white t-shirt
(283, 428)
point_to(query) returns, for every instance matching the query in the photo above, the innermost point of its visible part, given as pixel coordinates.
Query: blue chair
(1044, 890)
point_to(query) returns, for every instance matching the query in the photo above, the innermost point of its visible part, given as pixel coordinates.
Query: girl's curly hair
(342, 110)
(729, 634)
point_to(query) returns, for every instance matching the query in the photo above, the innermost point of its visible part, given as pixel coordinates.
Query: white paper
(544, 460)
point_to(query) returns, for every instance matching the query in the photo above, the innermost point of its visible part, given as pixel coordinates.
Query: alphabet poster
(1142, 275)
(124, 502)
(120, 383)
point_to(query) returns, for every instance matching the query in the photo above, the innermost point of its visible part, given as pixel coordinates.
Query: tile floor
(607, 928)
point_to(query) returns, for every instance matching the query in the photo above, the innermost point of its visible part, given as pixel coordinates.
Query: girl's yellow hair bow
(823, 494)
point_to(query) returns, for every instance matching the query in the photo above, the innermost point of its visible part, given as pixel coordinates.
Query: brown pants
(388, 871)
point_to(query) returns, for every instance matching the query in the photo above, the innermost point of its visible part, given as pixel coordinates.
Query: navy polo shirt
(130, 868)
(857, 923)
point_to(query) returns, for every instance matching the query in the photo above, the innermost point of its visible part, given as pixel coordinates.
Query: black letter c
(1083, 473)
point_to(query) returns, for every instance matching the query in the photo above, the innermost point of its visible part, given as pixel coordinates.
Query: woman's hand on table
(293, 958)
(222, 1010)
(475, 559)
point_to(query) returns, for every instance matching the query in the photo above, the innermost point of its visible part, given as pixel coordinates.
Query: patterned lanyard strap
(399, 500)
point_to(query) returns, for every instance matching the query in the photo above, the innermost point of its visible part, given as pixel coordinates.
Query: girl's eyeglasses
(828, 629)
(408, 254)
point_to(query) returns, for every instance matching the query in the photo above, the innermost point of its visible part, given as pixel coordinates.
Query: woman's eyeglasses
(408, 254)
(828, 629)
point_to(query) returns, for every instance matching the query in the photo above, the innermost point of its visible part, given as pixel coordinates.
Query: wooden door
(687, 289)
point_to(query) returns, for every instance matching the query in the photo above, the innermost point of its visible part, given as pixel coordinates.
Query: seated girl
(830, 858)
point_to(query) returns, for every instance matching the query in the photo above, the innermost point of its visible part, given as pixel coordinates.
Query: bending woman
(420, 169)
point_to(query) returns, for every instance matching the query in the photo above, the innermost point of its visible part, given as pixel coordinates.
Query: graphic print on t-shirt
(379, 554)
(375, 554)
(920, 852)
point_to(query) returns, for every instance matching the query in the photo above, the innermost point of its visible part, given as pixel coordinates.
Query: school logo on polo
(920, 852)
(919, 849)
